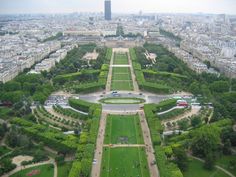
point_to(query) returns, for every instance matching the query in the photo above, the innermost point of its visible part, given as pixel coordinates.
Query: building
(107, 14)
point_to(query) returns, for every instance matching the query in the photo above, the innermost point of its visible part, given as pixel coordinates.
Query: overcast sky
(124, 6)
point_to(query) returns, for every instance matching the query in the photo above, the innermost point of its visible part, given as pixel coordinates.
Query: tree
(12, 86)
(3, 129)
(194, 88)
(219, 86)
(227, 147)
(85, 167)
(206, 140)
(181, 159)
(195, 121)
(209, 161)
(183, 124)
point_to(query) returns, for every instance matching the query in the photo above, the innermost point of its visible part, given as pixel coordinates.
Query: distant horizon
(8, 7)
(117, 13)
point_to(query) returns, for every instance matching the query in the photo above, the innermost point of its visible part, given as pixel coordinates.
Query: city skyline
(150, 6)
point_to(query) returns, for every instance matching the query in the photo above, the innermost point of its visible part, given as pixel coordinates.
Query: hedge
(150, 73)
(156, 88)
(166, 168)
(88, 87)
(84, 75)
(80, 104)
(85, 152)
(52, 138)
(165, 105)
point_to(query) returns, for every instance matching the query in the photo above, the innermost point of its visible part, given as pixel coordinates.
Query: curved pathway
(217, 166)
(195, 110)
(17, 169)
(176, 107)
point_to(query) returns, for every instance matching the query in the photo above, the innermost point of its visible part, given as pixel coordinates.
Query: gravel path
(154, 172)
(96, 168)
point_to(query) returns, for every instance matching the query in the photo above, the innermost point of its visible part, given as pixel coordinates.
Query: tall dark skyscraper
(107, 4)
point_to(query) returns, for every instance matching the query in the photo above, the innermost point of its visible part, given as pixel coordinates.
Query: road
(148, 97)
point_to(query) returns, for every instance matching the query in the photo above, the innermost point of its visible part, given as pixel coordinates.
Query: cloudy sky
(124, 6)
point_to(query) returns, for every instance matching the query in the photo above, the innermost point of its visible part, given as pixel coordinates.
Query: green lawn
(63, 170)
(123, 130)
(224, 162)
(120, 59)
(121, 79)
(196, 169)
(45, 171)
(120, 70)
(124, 162)
(125, 76)
(122, 85)
(122, 100)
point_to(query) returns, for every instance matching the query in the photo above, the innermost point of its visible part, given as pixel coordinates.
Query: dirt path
(99, 146)
(154, 172)
(195, 110)
(217, 166)
(19, 168)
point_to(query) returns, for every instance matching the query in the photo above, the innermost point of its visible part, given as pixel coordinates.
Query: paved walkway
(96, 168)
(154, 172)
(217, 166)
(17, 169)
(176, 107)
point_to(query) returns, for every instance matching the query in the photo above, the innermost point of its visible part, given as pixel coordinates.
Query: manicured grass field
(196, 169)
(122, 100)
(121, 79)
(124, 162)
(122, 85)
(44, 171)
(64, 169)
(123, 130)
(120, 59)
